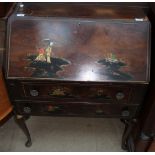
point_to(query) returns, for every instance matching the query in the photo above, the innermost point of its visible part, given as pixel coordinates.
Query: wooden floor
(64, 134)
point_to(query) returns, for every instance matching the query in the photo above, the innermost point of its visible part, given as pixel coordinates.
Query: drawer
(121, 94)
(76, 109)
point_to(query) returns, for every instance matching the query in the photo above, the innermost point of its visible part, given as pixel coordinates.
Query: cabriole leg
(20, 120)
(128, 127)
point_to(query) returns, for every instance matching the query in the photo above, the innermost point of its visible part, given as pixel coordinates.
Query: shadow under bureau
(77, 60)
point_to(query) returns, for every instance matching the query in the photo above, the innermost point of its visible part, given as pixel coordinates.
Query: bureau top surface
(78, 49)
(82, 10)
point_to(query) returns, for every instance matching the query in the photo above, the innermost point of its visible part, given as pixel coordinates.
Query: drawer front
(76, 109)
(119, 94)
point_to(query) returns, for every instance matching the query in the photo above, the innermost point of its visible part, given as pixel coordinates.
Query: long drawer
(114, 93)
(119, 94)
(76, 109)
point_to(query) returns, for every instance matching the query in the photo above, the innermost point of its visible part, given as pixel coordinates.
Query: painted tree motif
(43, 63)
(113, 65)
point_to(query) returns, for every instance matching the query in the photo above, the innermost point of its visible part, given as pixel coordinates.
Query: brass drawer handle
(120, 96)
(34, 92)
(27, 110)
(125, 113)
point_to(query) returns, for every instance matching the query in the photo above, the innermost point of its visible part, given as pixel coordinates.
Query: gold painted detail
(100, 92)
(60, 92)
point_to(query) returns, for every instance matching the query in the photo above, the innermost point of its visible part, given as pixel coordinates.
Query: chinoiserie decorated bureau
(77, 59)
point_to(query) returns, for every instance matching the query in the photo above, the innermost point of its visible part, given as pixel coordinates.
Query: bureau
(77, 59)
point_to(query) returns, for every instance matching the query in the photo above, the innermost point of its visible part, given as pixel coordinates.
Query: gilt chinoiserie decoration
(86, 60)
(84, 50)
(113, 66)
(43, 64)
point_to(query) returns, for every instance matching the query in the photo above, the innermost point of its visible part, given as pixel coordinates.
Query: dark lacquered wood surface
(91, 50)
(76, 92)
(62, 108)
(83, 10)
(5, 8)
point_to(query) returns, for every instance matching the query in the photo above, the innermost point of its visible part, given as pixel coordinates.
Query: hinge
(20, 10)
